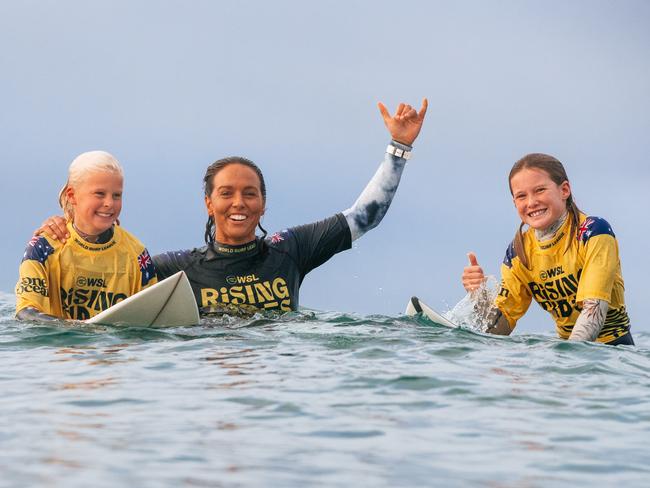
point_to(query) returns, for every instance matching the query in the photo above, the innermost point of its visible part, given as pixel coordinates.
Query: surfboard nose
(413, 307)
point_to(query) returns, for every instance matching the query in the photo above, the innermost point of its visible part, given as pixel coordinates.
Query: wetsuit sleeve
(374, 201)
(601, 261)
(514, 297)
(317, 242)
(32, 289)
(590, 321)
(169, 263)
(34, 315)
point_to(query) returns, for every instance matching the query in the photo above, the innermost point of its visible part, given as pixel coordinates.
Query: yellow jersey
(78, 279)
(562, 273)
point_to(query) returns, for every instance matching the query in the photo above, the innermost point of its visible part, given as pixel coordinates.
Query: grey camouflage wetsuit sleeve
(590, 321)
(373, 203)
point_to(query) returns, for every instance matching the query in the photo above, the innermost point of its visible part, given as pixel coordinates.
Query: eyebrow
(227, 187)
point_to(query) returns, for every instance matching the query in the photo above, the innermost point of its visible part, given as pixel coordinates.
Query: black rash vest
(263, 274)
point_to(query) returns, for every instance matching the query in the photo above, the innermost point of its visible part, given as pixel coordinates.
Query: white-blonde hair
(82, 166)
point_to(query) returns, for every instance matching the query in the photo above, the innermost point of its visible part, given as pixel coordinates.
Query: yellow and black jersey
(562, 273)
(77, 279)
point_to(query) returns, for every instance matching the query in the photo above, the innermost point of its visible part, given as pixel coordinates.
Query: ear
(69, 193)
(565, 189)
(208, 205)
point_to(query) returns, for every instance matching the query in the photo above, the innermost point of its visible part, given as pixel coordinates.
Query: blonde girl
(99, 265)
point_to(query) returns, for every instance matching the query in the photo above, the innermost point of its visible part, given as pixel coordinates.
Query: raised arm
(373, 203)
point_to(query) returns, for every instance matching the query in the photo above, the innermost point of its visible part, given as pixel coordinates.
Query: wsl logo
(83, 282)
(241, 280)
(551, 273)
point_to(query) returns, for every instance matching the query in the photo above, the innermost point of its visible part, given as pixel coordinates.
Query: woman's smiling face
(540, 201)
(236, 204)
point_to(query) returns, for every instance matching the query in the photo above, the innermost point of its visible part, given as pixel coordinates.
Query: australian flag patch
(146, 267)
(38, 249)
(278, 237)
(594, 226)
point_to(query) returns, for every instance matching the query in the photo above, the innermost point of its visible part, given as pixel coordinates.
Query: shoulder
(279, 239)
(335, 224)
(593, 226)
(128, 239)
(180, 257)
(182, 253)
(510, 254)
(39, 248)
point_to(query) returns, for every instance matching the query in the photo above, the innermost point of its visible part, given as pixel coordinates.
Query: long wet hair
(208, 186)
(82, 166)
(554, 169)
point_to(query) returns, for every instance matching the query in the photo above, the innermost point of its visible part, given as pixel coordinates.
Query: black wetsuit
(263, 274)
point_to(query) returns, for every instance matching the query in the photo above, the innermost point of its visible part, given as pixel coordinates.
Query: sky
(170, 86)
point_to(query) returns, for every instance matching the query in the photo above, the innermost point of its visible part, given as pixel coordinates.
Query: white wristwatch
(396, 151)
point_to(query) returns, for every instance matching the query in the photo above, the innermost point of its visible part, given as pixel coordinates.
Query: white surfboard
(169, 303)
(416, 306)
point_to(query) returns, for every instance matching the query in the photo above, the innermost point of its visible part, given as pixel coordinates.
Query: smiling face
(97, 201)
(540, 201)
(236, 204)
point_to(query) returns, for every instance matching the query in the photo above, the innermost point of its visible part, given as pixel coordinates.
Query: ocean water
(318, 399)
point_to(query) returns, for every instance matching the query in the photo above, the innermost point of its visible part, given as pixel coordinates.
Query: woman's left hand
(405, 125)
(54, 227)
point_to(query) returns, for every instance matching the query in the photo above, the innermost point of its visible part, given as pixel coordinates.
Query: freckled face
(236, 204)
(540, 202)
(97, 202)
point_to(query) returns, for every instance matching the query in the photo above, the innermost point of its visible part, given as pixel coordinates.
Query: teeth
(238, 217)
(104, 214)
(536, 213)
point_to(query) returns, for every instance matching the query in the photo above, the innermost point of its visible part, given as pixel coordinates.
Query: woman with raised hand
(238, 271)
(566, 261)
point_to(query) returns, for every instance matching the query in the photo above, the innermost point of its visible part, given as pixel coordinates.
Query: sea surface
(318, 399)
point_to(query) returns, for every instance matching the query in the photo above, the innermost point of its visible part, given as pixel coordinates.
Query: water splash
(473, 310)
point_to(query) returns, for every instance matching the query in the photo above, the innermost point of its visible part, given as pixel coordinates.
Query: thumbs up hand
(473, 276)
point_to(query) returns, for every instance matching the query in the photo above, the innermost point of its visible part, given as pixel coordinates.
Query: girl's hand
(473, 276)
(405, 125)
(54, 227)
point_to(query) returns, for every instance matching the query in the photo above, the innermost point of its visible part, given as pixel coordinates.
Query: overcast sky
(170, 86)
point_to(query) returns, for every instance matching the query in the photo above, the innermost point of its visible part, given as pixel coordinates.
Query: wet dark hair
(208, 186)
(554, 169)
